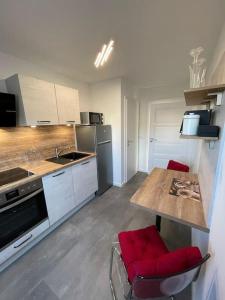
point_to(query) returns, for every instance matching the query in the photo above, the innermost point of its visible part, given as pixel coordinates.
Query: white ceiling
(152, 37)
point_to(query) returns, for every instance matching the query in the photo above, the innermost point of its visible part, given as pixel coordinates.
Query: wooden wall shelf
(206, 138)
(204, 95)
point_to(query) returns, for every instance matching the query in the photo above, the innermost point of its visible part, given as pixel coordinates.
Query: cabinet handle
(29, 237)
(85, 163)
(58, 174)
(70, 121)
(43, 122)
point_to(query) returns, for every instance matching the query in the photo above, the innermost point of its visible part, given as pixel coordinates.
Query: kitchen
(89, 118)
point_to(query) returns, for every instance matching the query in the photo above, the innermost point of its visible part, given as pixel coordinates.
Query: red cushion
(140, 245)
(169, 263)
(175, 165)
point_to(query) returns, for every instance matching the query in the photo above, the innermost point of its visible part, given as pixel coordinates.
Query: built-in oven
(23, 212)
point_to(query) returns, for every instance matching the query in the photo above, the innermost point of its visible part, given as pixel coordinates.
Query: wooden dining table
(158, 196)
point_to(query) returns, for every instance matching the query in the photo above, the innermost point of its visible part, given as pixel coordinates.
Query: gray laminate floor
(72, 262)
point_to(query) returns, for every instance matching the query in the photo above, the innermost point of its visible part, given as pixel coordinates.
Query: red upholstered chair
(177, 166)
(150, 269)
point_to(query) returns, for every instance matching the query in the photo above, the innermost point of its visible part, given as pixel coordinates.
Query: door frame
(150, 108)
(125, 102)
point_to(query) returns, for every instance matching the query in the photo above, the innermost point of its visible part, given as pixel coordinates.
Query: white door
(68, 104)
(164, 135)
(59, 194)
(131, 134)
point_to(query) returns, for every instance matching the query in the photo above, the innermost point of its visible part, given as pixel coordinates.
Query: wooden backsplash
(23, 144)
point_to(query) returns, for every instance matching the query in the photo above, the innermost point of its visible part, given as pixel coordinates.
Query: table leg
(158, 222)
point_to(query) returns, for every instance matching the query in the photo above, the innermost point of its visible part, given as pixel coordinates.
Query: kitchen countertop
(42, 168)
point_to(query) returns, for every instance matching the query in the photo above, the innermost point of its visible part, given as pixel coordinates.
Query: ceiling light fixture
(104, 54)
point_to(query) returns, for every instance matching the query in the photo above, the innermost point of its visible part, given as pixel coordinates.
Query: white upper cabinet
(43, 103)
(68, 104)
(36, 100)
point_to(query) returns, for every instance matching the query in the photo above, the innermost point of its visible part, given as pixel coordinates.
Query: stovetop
(13, 175)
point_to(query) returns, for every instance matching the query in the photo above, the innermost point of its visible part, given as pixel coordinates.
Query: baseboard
(118, 184)
(143, 171)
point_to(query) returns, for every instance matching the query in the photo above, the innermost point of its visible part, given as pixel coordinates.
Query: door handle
(129, 142)
(23, 242)
(85, 163)
(152, 140)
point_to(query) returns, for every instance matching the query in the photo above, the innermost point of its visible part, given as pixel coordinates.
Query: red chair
(177, 166)
(151, 270)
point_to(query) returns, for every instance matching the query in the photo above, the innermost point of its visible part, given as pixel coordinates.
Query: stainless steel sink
(74, 155)
(67, 158)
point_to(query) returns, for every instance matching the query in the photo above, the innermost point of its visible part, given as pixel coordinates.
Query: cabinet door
(59, 194)
(39, 101)
(68, 104)
(85, 179)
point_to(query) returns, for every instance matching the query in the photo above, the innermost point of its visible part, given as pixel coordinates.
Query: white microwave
(91, 118)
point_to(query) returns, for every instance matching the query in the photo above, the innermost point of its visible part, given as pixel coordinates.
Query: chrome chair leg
(112, 288)
(110, 274)
(172, 298)
(129, 295)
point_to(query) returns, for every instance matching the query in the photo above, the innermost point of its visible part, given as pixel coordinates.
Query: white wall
(106, 97)
(10, 65)
(129, 91)
(211, 175)
(210, 285)
(209, 157)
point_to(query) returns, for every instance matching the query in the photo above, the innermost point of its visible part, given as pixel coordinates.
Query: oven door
(22, 216)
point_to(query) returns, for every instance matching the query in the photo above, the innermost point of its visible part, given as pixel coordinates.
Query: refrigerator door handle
(105, 142)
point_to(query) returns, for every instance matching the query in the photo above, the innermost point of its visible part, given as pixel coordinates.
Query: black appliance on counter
(91, 118)
(208, 130)
(21, 209)
(7, 110)
(205, 115)
(204, 128)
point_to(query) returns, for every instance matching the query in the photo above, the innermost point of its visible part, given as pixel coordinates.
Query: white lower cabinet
(68, 188)
(64, 190)
(85, 179)
(59, 194)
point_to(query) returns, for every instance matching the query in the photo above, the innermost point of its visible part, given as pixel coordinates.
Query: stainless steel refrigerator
(98, 138)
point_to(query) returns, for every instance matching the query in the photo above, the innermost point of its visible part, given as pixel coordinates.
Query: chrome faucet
(57, 152)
